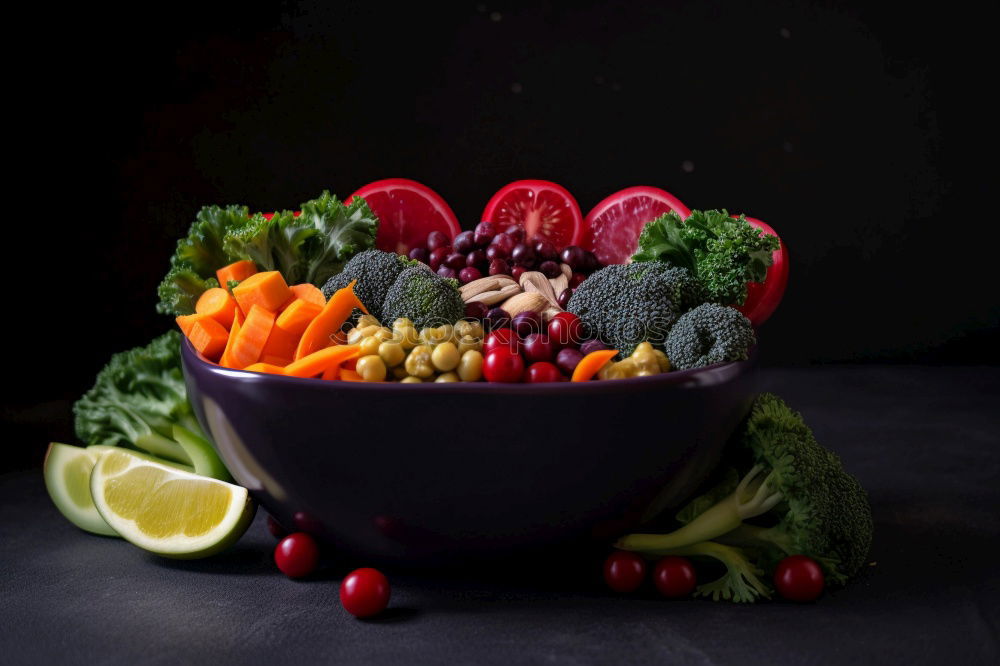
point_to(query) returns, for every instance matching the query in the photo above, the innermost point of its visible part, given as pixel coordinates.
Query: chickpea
(368, 346)
(356, 334)
(435, 336)
(367, 320)
(405, 333)
(445, 356)
(645, 360)
(399, 372)
(418, 363)
(470, 367)
(371, 368)
(409, 379)
(383, 334)
(466, 327)
(469, 343)
(447, 377)
(662, 360)
(391, 353)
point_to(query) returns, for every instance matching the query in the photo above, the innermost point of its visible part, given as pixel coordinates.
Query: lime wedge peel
(67, 472)
(168, 511)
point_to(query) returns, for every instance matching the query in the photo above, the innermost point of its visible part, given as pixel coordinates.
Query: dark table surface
(924, 441)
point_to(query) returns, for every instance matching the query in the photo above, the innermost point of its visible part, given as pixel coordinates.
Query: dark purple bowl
(426, 474)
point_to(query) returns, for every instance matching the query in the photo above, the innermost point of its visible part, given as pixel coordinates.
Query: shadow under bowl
(430, 474)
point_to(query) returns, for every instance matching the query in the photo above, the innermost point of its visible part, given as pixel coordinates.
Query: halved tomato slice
(614, 225)
(763, 297)
(407, 211)
(544, 208)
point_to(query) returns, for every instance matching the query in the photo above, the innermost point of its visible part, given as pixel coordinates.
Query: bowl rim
(708, 375)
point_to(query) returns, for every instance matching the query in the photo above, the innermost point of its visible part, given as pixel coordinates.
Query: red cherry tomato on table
(613, 226)
(799, 578)
(546, 211)
(296, 555)
(365, 592)
(565, 330)
(624, 571)
(674, 577)
(503, 365)
(407, 213)
(542, 372)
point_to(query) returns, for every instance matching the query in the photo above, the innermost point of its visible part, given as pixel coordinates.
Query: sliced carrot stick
(267, 289)
(266, 368)
(319, 334)
(218, 304)
(280, 343)
(226, 361)
(590, 364)
(350, 376)
(309, 292)
(331, 373)
(209, 337)
(238, 271)
(317, 362)
(281, 361)
(252, 337)
(240, 316)
(296, 317)
(187, 321)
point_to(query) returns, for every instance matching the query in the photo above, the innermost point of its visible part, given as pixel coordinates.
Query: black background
(858, 131)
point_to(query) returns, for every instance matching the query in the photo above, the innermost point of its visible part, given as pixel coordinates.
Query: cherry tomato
(542, 372)
(296, 555)
(763, 298)
(624, 571)
(545, 210)
(365, 592)
(613, 226)
(674, 577)
(501, 338)
(799, 578)
(408, 212)
(503, 365)
(565, 330)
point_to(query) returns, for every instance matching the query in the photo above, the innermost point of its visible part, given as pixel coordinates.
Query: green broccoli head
(624, 305)
(375, 272)
(804, 500)
(424, 297)
(709, 334)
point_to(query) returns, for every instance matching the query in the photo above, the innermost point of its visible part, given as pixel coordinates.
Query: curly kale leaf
(725, 253)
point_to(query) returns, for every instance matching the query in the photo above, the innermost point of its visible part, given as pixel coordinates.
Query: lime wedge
(166, 510)
(67, 478)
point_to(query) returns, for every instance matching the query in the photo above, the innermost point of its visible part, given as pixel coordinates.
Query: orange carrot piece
(275, 360)
(240, 316)
(218, 304)
(187, 321)
(309, 292)
(350, 376)
(320, 331)
(238, 271)
(209, 337)
(332, 372)
(266, 368)
(267, 289)
(252, 337)
(317, 362)
(590, 364)
(296, 317)
(280, 343)
(226, 361)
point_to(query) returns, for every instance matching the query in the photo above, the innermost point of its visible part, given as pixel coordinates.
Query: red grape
(436, 239)
(468, 274)
(543, 372)
(567, 360)
(565, 330)
(537, 348)
(464, 242)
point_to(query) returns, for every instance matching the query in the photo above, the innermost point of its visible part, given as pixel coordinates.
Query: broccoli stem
(751, 498)
(755, 536)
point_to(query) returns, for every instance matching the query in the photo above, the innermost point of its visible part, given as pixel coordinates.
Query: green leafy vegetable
(806, 504)
(139, 400)
(725, 253)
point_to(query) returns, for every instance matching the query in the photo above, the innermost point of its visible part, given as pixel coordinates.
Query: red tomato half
(614, 225)
(407, 211)
(763, 297)
(544, 208)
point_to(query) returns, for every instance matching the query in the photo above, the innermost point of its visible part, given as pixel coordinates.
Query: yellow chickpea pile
(643, 362)
(449, 353)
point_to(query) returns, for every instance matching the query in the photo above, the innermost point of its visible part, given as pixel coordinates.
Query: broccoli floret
(424, 297)
(709, 334)
(375, 272)
(624, 305)
(807, 503)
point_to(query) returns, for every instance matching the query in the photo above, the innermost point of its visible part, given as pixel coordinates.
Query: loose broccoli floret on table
(806, 504)
(709, 334)
(375, 272)
(624, 305)
(423, 297)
